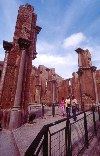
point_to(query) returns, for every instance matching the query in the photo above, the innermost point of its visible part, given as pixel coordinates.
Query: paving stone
(26, 134)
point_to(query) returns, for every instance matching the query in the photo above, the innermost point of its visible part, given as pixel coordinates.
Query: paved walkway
(7, 144)
(94, 147)
(15, 143)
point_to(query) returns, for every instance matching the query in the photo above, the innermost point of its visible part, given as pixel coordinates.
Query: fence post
(68, 138)
(95, 130)
(53, 109)
(42, 109)
(86, 131)
(45, 143)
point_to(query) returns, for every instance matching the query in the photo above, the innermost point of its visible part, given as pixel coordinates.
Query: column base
(15, 118)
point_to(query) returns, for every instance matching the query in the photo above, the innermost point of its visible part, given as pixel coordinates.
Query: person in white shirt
(68, 106)
(74, 107)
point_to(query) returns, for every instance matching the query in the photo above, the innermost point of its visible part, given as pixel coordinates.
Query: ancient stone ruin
(16, 72)
(22, 84)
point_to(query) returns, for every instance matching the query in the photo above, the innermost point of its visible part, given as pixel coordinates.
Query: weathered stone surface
(41, 88)
(98, 83)
(22, 84)
(87, 78)
(15, 91)
(1, 68)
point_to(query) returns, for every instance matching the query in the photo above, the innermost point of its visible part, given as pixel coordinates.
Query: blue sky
(66, 25)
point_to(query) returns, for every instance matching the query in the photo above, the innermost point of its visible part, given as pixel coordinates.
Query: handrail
(36, 141)
(32, 148)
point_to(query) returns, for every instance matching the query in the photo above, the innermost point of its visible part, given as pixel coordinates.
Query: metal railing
(41, 110)
(66, 138)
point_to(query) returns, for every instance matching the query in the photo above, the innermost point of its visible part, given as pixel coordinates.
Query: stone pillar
(38, 94)
(57, 91)
(79, 51)
(53, 91)
(80, 72)
(70, 89)
(16, 113)
(87, 78)
(7, 47)
(79, 60)
(93, 69)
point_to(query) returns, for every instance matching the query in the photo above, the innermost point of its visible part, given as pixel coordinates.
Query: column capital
(53, 80)
(38, 29)
(34, 54)
(93, 68)
(80, 71)
(23, 43)
(47, 69)
(29, 7)
(79, 50)
(7, 45)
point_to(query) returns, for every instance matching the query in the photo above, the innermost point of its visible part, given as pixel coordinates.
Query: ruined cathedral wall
(98, 83)
(63, 89)
(1, 68)
(41, 90)
(14, 93)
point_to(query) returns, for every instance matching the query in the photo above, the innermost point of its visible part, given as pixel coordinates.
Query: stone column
(80, 72)
(16, 113)
(70, 89)
(80, 61)
(7, 47)
(53, 90)
(93, 69)
(38, 89)
(79, 50)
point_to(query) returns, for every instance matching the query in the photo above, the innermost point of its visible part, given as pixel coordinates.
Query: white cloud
(74, 40)
(96, 53)
(1, 46)
(65, 61)
(64, 66)
(43, 46)
(2, 55)
(94, 50)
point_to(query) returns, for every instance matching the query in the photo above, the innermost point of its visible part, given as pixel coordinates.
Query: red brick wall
(26, 22)
(41, 81)
(98, 83)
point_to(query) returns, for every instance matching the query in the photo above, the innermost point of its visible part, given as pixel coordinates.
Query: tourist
(62, 106)
(74, 107)
(68, 106)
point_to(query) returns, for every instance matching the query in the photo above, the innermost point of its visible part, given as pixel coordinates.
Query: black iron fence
(40, 110)
(65, 137)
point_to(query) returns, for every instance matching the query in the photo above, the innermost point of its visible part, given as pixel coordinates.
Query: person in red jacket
(62, 106)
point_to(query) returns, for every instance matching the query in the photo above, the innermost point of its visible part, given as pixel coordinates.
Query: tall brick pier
(15, 80)
(87, 78)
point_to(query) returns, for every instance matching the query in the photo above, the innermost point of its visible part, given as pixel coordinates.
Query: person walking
(68, 106)
(74, 107)
(62, 106)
